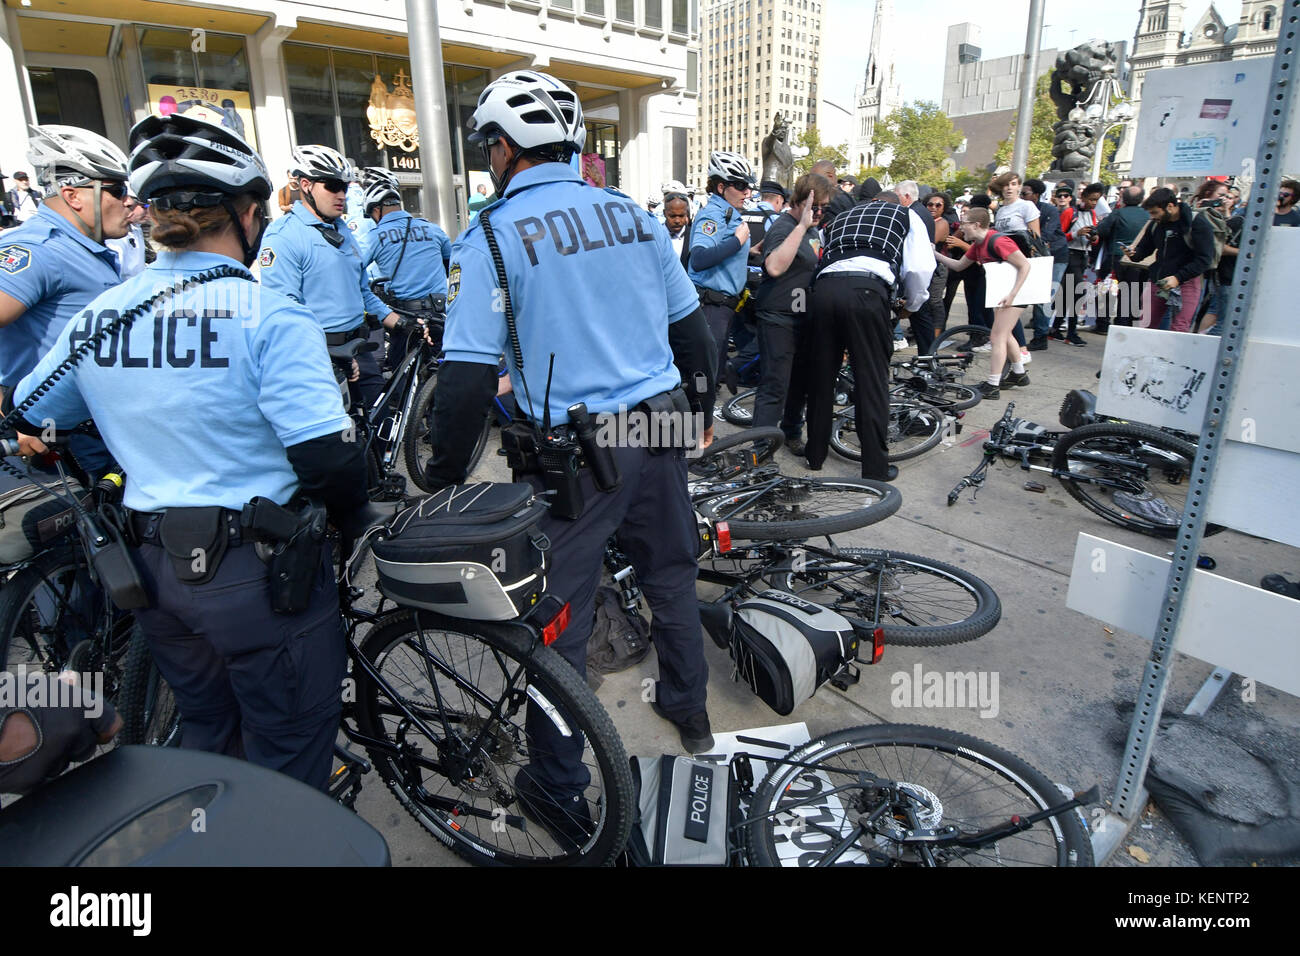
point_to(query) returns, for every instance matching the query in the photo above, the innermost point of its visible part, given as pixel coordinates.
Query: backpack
(1219, 224)
(1019, 238)
(619, 638)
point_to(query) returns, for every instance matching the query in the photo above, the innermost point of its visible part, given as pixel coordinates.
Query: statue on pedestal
(778, 159)
(1076, 72)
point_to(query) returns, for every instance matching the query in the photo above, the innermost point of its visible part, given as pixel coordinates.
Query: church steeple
(880, 66)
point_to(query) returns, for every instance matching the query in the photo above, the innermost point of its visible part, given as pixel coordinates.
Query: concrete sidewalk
(1061, 675)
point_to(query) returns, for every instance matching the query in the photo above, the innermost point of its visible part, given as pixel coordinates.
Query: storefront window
(600, 154)
(354, 75)
(70, 97)
(311, 94)
(211, 82)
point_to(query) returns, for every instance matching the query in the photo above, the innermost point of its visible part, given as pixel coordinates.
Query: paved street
(1063, 679)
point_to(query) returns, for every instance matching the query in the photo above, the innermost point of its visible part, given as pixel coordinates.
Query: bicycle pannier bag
(785, 647)
(470, 551)
(683, 811)
(32, 518)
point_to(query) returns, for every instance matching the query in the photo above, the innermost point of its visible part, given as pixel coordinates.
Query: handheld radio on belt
(556, 453)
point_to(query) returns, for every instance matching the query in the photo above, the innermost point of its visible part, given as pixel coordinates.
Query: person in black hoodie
(1184, 245)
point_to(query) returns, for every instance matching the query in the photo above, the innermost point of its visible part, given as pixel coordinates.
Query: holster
(290, 543)
(520, 441)
(677, 405)
(196, 540)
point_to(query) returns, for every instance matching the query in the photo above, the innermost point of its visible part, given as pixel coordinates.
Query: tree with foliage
(879, 173)
(920, 137)
(811, 140)
(1040, 134)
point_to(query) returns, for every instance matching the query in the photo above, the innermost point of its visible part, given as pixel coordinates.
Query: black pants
(783, 389)
(719, 318)
(249, 682)
(850, 311)
(1130, 278)
(652, 514)
(971, 280)
(1072, 287)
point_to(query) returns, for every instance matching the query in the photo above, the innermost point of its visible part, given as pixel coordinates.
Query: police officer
(53, 265)
(720, 244)
(311, 257)
(413, 254)
(217, 395)
(362, 226)
(563, 246)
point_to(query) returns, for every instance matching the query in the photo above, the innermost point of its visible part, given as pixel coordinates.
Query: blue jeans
(1042, 322)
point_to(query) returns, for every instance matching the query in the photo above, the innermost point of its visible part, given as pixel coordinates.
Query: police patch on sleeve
(267, 258)
(453, 284)
(708, 227)
(15, 258)
(353, 225)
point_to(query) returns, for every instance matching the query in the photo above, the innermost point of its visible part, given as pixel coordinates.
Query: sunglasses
(114, 188)
(938, 205)
(743, 187)
(333, 185)
(820, 208)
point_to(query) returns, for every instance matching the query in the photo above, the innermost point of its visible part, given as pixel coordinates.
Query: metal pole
(438, 193)
(1028, 91)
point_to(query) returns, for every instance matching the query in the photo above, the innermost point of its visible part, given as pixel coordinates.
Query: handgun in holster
(289, 541)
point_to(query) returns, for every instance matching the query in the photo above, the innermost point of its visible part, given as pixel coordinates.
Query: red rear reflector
(722, 531)
(555, 627)
(877, 645)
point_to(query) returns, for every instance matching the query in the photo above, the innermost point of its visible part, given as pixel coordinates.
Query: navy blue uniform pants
(249, 682)
(652, 515)
(719, 318)
(783, 390)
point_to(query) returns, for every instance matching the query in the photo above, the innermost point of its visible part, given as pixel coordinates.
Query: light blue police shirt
(593, 278)
(200, 397)
(355, 211)
(297, 261)
(715, 223)
(364, 229)
(54, 270)
(423, 267)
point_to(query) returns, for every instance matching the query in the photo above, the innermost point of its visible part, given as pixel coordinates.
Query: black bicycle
(1133, 475)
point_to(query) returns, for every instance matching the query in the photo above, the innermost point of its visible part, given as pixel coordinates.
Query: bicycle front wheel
(740, 410)
(471, 686)
(896, 773)
(922, 602)
(1141, 475)
(946, 344)
(914, 428)
(784, 507)
(418, 442)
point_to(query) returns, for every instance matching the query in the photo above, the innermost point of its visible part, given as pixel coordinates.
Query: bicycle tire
(150, 715)
(948, 339)
(740, 409)
(730, 455)
(977, 785)
(486, 647)
(50, 607)
(919, 598)
(949, 396)
(1127, 439)
(417, 442)
(782, 500)
(904, 419)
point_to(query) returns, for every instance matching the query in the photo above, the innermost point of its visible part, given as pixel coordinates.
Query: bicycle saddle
(350, 349)
(716, 619)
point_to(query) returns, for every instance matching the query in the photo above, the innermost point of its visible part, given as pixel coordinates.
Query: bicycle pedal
(846, 678)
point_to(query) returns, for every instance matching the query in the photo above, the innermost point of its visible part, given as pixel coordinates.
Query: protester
(1083, 225)
(1118, 231)
(23, 201)
(939, 206)
(1286, 214)
(1184, 245)
(1049, 227)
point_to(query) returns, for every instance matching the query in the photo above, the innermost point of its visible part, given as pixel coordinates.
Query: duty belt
(430, 303)
(146, 526)
(341, 338)
(714, 297)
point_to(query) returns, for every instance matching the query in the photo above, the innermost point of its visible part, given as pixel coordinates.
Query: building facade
(1162, 40)
(879, 95)
(337, 72)
(758, 58)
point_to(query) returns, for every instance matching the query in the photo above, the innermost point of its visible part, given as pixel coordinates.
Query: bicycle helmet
(371, 174)
(531, 109)
(381, 192)
(71, 156)
(731, 168)
(673, 188)
(181, 152)
(321, 162)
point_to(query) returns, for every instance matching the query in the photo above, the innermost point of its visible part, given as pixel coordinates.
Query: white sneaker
(1026, 356)
(903, 347)
(986, 347)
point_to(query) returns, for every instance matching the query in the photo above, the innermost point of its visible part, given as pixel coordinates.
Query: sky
(1003, 24)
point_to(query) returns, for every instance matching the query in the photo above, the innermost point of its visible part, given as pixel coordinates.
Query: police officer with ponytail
(220, 405)
(593, 279)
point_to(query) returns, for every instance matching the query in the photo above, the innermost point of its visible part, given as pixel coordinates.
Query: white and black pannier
(469, 551)
(785, 648)
(684, 812)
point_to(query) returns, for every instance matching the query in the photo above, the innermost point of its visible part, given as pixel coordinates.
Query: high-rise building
(758, 58)
(879, 95)
(1163, 41)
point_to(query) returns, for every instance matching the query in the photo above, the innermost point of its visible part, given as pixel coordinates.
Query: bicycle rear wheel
(937, 777)
(783, 507)
(418, 443)
(914, 428)
(1151, 468)
(949, 396)
(471, 684)
(740, 410)
(923, 602)
(735, 455)
(946, 344)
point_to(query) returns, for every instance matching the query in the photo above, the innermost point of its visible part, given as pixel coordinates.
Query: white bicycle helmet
(381, 192)
(371, 174)
(184, 152)
(321, 162)
(531, 109)
(69, 155)
(731, 167)
(673, 188)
